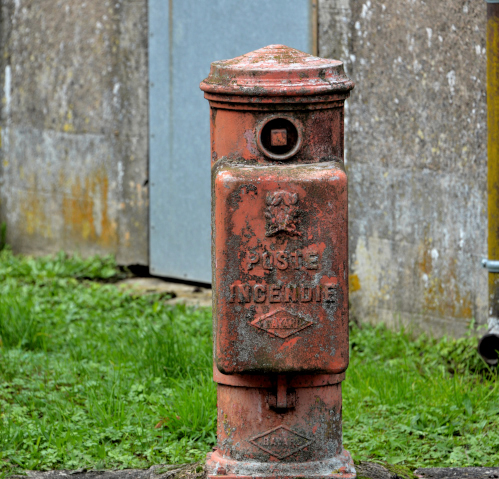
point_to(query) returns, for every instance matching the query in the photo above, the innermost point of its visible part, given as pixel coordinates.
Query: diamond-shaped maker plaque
(280, 442)
(281, 323)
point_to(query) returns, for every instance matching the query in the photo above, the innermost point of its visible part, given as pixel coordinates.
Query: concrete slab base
(365, 470)
(338, 467)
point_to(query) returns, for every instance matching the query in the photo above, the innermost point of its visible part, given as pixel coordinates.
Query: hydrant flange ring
(279, 137)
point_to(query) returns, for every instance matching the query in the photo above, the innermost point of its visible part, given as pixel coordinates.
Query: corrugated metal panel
(184, 37)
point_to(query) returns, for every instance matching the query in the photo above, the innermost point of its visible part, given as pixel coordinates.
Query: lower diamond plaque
(281, 442)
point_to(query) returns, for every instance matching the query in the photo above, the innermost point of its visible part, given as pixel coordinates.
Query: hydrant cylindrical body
(280, 264)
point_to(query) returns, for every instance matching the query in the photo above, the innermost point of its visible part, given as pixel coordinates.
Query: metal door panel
(184, 37)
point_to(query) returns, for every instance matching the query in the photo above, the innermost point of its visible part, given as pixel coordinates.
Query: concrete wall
(74, 143)
(417, 158)
(74, 126)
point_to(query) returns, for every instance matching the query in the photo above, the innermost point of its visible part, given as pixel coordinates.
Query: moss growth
(383, 469)
(402, 472)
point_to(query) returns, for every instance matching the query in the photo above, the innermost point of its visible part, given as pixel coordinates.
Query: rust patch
(442, 293)
(86, 213)
(354, 283)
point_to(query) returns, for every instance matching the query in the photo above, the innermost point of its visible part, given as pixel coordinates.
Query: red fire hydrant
(280, 264)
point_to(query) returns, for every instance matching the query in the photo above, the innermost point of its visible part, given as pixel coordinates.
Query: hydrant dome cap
(277, 70)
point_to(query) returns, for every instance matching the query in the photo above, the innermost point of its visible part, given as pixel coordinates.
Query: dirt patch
(189, 295)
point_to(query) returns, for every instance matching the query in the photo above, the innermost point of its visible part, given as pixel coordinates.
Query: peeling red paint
(280, 256)
(288, 344)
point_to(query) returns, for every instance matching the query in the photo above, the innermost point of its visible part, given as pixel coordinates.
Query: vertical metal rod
(282, 389)
(493, 149)
(314, 27)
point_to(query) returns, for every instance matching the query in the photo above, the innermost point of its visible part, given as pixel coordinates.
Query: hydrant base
(338, 467)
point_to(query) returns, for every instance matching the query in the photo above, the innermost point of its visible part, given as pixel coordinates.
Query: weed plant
(92, 377)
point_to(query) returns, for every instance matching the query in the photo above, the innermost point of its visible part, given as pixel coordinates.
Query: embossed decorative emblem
(281, 213)
(280, 442)
(281, 323)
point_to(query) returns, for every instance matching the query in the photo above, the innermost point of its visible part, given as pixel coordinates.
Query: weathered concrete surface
(74, 127)
(365, 470)
(334, 29)
(416, 158)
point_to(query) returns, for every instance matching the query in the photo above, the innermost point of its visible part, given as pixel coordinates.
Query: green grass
(91, 377)
(420, 402)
